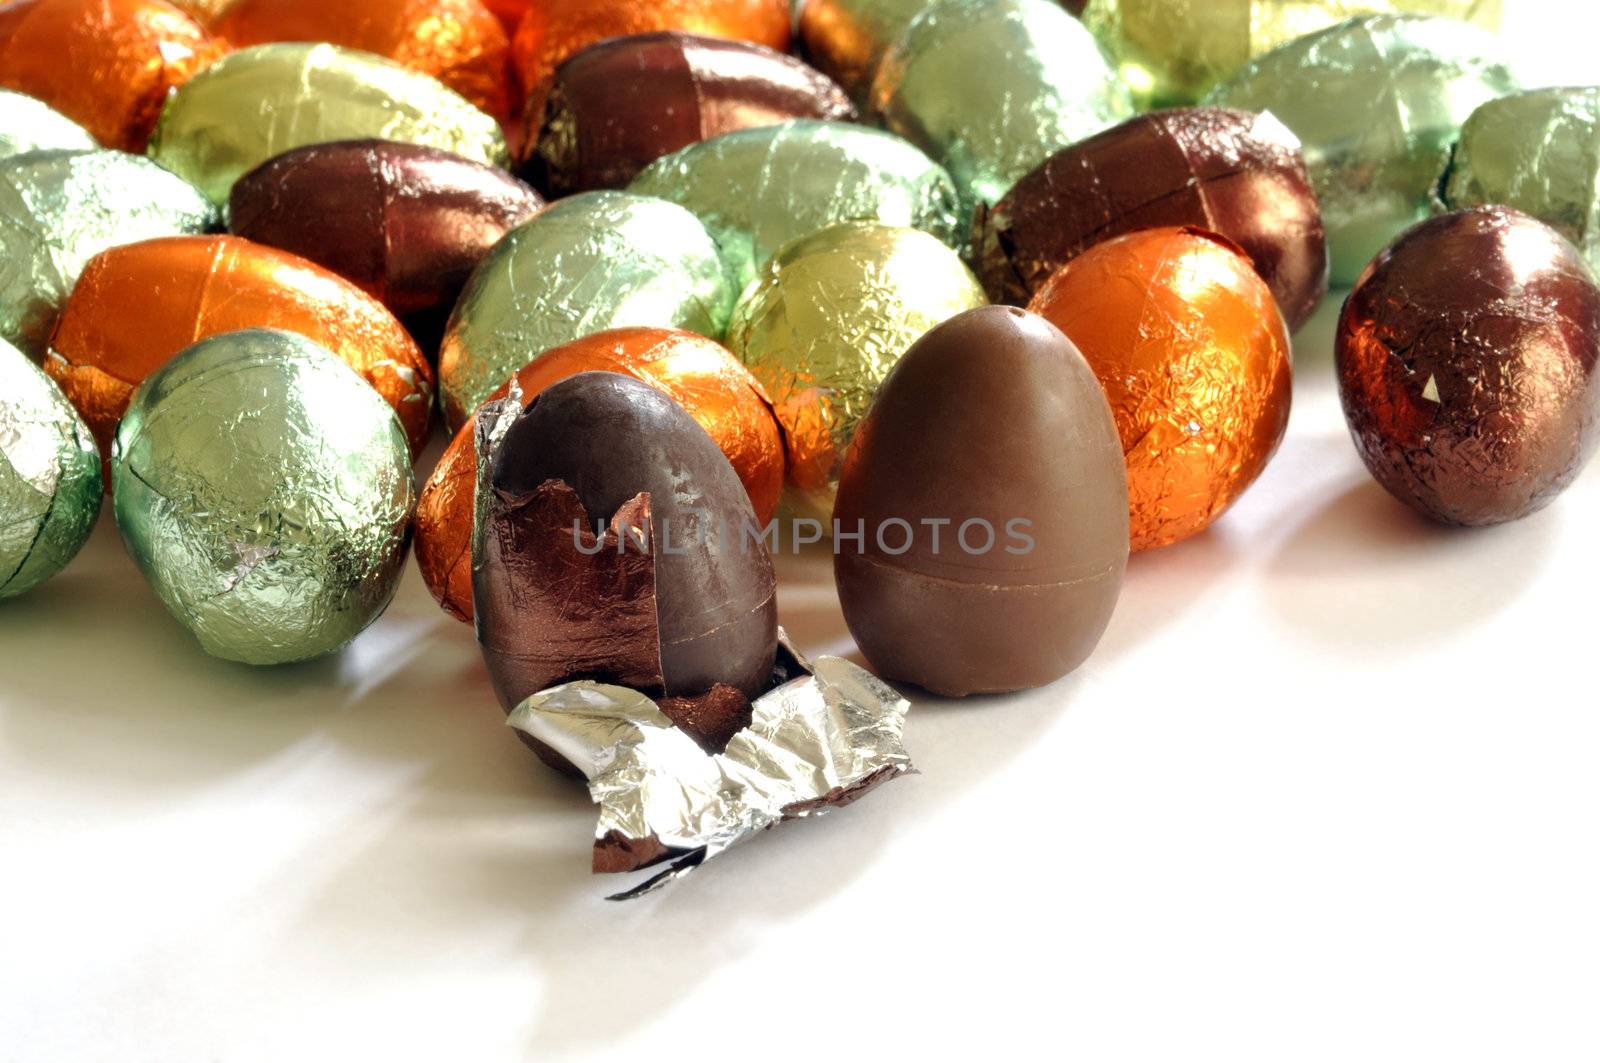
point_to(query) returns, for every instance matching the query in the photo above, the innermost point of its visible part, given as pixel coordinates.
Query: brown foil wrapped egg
(699, 374)
(1192, 352)
(1466, 357)
(136, 306)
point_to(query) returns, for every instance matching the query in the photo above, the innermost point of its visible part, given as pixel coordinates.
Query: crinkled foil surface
(49, 476)
(991, 88)
(265, 100)
(846, 39)
(759, 189)
(59, 209)
(595, 261)
(1377, 102)
(815, 743)
(27, 124)
(229, 500)
(827, 320)
(1538, 152)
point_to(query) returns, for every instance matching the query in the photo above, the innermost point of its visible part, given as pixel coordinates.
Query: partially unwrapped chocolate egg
(987, 499)
(1466, 358)
(27, 124)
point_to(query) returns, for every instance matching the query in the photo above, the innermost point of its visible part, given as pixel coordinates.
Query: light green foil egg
(59, 209)
(264, 101)
(992, 88)
(27, 124)
(265, 491)
(759, 189)
(1538, 152)
(1377, 102)
(591, 262)
(50, 485)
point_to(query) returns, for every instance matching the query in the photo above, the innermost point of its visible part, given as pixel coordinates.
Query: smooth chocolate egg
(1466, 358)
(987, 499)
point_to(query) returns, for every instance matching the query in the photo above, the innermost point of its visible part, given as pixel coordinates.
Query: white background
(1328, 791)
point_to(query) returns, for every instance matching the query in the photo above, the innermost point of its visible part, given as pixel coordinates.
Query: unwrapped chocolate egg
(266, 100)
(406, 224)
(460, 42)
(27, 124)
(59, 209)
(846, 39)
(184, 289)
(992, 88)
(592, 262)
(49, 476)
(619, 105)
(1377, 102)
(1192, 352)
(697, 373)
(1236, 173)
(1466, 358)
(987, 499)
(823, 324)
(1538, 152)
(760, 189)
(106, 64)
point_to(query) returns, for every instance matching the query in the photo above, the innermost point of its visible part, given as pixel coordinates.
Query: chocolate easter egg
(27, 124)
(619, 105)
(846, 39)
(1466, 358)
(982, 519)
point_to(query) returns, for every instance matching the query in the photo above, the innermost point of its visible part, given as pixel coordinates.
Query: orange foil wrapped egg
(138, 305)
(553, 30)
(459, 42)
(106, 64)
(1189, 345)
(699, 374)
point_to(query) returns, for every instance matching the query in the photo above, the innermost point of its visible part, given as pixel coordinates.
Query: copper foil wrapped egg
(551, 31)
(990, 497)
(824, 323)
(404, 223)
(106, 64)
(213, 284)
(272, 98)
(27, 124)
(697, 373)
(460, 42)
(1235, 173)
(619, 105)
(846, 39)
(1192, 352)
(1466, 358)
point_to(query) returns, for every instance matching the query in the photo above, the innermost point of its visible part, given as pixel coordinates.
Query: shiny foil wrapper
(27, 124)
(591, 262)
(815, 744)
(1538, 152)
(59, 209)
(826, 320)
(700, 375)
(49, 476)
(1192, 352)
(457, 41)
(266, 100)
(203, 11)
(106, 64)
(991, 88)
(215, 284)
(847, 39)
(1377, 102)
(760, 189)
(265, 492)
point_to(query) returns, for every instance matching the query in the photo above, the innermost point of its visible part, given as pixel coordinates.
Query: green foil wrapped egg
(824, 324)
(27, 124)
(590, 262)
(846, 39)
(1538, 152)
(264, 101)
(50, 485)
(59, 209)
(1376, 101)
(992, 88)
(759, 189)
(265, 491)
